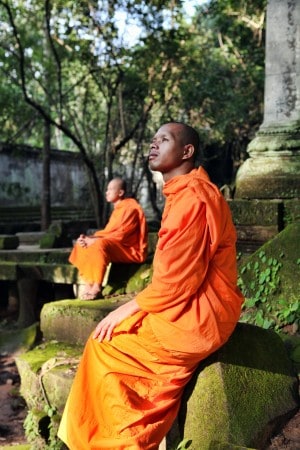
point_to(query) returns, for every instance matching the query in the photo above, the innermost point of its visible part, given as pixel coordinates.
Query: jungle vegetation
(99, 77)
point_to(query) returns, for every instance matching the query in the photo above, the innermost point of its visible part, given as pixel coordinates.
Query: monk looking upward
(124, 239)
(127, 390)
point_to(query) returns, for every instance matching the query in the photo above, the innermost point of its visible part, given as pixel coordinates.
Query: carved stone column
(273, 169)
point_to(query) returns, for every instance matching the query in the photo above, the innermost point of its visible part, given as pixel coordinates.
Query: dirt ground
(13, 408)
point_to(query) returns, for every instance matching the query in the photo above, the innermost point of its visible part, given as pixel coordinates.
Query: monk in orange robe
(127, 390)
(124, 240)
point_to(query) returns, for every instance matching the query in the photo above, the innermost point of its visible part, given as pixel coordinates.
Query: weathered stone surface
(267, 176)
(8, 270)
(72, 321)
(284, 248)
(239, 394)
(127, 278)
(36, 255)
(256, 212)
(18, 340)
(46, 374)
(8, 242)
(273, 169)
(292, 211)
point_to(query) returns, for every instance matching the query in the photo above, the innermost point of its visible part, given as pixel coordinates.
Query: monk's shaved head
(187, 135)
(120, 183)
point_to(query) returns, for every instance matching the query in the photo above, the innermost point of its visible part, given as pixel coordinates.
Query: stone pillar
(273, 169)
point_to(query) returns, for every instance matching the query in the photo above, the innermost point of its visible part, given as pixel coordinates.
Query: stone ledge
(8, 241)
(72, 321)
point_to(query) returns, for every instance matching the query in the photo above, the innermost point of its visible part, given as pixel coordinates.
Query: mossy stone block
(9, 242)
(256, 212)
(241, 393)
(35, 367)
(8, 270)
(72, 321)
(283, 248)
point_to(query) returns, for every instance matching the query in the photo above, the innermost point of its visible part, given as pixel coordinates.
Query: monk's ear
(188, 151)
(121, 193)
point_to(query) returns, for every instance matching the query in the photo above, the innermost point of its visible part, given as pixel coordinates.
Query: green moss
(45, 352)
(255, 212)
(49, 240)
(269, 280)
(236, 394)
(140, 279)
(12, 340)
(16, 447)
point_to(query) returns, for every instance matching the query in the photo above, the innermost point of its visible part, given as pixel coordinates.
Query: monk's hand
(105, 328)
(85, 241)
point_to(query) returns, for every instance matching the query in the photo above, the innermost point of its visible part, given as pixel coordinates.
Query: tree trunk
(46, 181)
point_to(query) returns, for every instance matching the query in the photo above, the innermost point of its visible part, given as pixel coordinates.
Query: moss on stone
(140, 279)
(255, 212)
(8, 270)
(49, 240)
(280, 291)
(17, 340)
(237, 394)
(36, 364)
(72, 321)
(16, 447)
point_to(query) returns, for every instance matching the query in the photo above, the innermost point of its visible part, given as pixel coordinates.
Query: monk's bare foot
(91, 296)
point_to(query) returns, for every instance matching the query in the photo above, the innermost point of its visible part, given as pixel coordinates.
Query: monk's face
(167, 150)
(114, 192)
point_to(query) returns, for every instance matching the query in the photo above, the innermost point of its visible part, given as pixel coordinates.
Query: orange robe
(126, 393)
(124, 239)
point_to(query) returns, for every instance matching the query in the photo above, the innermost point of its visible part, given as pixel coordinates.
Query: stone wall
(21, 177)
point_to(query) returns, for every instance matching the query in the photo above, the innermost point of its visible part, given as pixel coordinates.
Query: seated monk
(123, 240)
(135, 365)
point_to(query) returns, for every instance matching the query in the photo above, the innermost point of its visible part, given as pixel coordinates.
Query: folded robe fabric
(127, 391)
(124, 239)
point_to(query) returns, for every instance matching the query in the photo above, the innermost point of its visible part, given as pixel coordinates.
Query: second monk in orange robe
(124, 240)
(127, 390)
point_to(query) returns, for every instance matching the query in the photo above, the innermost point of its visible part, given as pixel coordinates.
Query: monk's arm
(182, 257)
(121, 226)
(105, 328)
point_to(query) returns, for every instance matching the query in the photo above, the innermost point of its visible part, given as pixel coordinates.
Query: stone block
(8, 270)
(291, 211)
(280, 254)
(240, 394)
(127, 278)
(9, 241)
(72, 321)
(47, 372)
(256, 212)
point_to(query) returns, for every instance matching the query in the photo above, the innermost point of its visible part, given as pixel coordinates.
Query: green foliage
(69, 63)
(186, 443)
(261, 307)
(41, 429)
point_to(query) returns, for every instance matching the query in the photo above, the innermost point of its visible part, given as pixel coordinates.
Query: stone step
(30, 237)
(72, 321)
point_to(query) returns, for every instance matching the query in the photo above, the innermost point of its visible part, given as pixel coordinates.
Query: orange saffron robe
(126, 393)
(124, 239)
